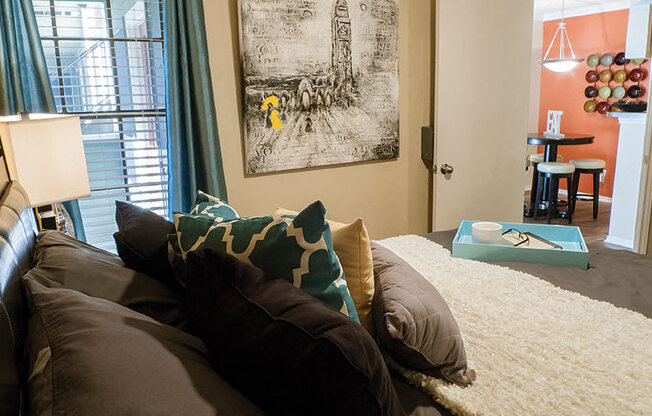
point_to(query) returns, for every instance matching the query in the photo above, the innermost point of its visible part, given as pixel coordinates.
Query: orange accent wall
(592, 34)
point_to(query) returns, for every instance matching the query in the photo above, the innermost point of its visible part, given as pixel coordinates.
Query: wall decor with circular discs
(616, 84)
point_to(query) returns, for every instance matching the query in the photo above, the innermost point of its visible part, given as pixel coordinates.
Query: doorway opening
(595, 99)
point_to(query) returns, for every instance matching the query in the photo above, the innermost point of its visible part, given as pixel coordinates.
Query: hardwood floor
(594, 231)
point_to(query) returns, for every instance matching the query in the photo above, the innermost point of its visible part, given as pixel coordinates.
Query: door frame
(644, 212)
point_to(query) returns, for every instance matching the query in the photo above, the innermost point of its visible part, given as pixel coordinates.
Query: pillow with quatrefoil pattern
(212, 207)
(297, 248)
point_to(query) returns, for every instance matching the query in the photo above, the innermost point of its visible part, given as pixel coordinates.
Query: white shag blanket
(537, 349)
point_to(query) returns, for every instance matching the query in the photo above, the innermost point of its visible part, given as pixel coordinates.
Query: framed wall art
(320, 82)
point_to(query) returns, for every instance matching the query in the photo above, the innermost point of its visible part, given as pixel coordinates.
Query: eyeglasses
(523, 238)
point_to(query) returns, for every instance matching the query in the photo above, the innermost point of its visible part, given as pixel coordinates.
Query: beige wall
(391, 196)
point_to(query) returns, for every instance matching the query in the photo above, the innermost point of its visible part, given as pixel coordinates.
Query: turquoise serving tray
(572, 254)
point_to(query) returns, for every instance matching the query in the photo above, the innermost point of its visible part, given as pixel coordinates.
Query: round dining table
(550, 155)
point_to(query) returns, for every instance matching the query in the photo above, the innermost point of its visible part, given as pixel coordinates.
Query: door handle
(446, 169)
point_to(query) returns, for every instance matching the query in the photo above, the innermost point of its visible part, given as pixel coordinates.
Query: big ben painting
(320, 82)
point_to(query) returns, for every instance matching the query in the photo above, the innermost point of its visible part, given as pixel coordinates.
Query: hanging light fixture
(563, 63)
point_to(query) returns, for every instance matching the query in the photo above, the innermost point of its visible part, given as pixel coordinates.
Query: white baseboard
(619, 241)
(565, 192)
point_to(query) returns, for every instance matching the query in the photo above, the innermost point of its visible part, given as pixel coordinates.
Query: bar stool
(554, 171)
(591, 166)
(535, 159)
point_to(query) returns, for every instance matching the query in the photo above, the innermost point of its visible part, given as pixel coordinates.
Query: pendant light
(563, 63)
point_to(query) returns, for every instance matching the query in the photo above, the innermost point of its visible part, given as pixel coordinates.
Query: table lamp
(45, 154)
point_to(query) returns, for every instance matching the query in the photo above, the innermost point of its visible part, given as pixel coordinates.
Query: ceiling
(551, 9)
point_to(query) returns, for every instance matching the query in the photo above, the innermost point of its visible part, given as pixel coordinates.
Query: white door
(482, 84)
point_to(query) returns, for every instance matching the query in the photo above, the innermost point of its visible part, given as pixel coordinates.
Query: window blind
(106, 64)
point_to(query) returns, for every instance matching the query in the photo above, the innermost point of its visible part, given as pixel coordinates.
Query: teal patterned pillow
(298, 249)
(210, 206)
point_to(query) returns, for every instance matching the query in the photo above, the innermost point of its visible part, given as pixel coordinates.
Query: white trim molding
(622, 242)
(601, 198)
(565, 193)
(605, 7)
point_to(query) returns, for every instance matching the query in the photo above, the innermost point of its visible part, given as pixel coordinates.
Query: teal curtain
(75, 215)
(24, 81)
(193, 142)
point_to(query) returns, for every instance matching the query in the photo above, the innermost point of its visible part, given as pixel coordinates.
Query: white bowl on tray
(486, 232)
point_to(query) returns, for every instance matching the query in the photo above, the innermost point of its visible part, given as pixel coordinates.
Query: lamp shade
(46, 156)
(560, 65)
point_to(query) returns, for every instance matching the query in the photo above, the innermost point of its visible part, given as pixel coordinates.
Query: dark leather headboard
(18, 232)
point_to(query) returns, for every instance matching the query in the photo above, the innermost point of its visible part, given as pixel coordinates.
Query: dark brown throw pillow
(62, 261)
(286, 350)
(413, 322)
(142, 242)
(92, 357)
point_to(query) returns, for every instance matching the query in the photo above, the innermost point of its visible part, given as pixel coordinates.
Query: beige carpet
(537, 349)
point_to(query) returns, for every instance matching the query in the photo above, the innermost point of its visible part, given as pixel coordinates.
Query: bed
(619, 277)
